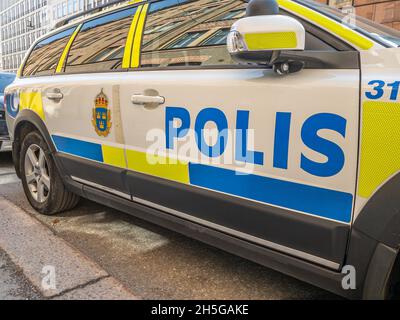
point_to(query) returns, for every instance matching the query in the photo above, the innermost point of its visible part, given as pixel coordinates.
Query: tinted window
(45, 56)
(189, 33)
(5, 80)
(100, 44)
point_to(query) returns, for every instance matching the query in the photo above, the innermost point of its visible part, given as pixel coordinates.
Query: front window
(382, 34)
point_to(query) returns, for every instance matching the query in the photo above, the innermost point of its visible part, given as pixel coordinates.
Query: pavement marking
(49, 262)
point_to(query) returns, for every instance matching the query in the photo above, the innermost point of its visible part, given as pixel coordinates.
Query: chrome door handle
(141, 99)
(55, 95)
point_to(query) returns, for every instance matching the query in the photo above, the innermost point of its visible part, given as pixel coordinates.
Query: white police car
(273, 134)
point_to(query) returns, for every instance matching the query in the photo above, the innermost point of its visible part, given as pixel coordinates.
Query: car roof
(106, 9)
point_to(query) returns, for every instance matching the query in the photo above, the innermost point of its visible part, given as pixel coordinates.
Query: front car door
(268, 159)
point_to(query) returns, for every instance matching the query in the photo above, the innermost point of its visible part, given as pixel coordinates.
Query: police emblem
(101, 119)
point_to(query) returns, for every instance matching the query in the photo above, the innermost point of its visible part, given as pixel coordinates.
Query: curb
(53, 266)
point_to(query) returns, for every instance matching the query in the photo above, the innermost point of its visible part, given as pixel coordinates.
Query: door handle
(55, 95)
(142, 100)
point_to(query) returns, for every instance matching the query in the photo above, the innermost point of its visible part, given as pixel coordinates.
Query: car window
(190, 33)
(45, 55)
(378, 32)
(99, 45)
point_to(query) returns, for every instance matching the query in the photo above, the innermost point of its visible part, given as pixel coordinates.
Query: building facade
(61, 9)
(23, 21)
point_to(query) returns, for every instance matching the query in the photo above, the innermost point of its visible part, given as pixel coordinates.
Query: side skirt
(297, 268)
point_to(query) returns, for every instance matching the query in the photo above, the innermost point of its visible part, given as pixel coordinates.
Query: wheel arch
(380, 218)
(28, 121)
(375, 241)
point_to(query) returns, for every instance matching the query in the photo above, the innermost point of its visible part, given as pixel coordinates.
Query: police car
(269, 129)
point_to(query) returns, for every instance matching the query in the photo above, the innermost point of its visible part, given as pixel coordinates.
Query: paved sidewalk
(51, 265)
(13, 283)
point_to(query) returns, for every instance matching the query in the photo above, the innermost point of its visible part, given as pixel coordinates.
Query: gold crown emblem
(101, 115)
(101, 100)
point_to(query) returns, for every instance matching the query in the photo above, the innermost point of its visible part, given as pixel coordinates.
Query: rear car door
(278, 164)
(85, 122)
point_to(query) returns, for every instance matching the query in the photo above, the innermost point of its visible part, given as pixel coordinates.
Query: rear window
(45, 55)
(100, 44)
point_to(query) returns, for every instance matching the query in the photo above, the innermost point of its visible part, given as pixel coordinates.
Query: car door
(266, 158)
(85, 122)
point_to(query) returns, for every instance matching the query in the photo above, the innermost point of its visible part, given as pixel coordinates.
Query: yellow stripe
(114, 156)
(380, 145)
(61, 62)
(271, 40)
(158, 166)
(32, 101)
(129, 41)
(19, 72)
(329, 24)
(138, 38)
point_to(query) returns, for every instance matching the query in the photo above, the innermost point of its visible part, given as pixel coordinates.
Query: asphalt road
(154, 263)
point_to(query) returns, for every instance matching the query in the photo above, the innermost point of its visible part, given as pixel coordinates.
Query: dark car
(5, 80)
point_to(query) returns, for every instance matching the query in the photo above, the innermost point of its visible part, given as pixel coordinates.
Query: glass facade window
(186, 40)
(23, 21)
(218, 38)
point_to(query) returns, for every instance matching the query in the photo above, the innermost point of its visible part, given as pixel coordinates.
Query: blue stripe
(326, 203)
(79, 148)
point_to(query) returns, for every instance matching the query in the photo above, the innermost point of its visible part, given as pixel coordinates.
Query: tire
(393, 287)
(41, 180)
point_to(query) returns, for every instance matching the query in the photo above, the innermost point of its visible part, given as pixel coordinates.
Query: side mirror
(260, 39)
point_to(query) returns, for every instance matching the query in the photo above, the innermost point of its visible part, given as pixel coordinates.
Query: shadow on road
(5, 159)
(155, 263)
